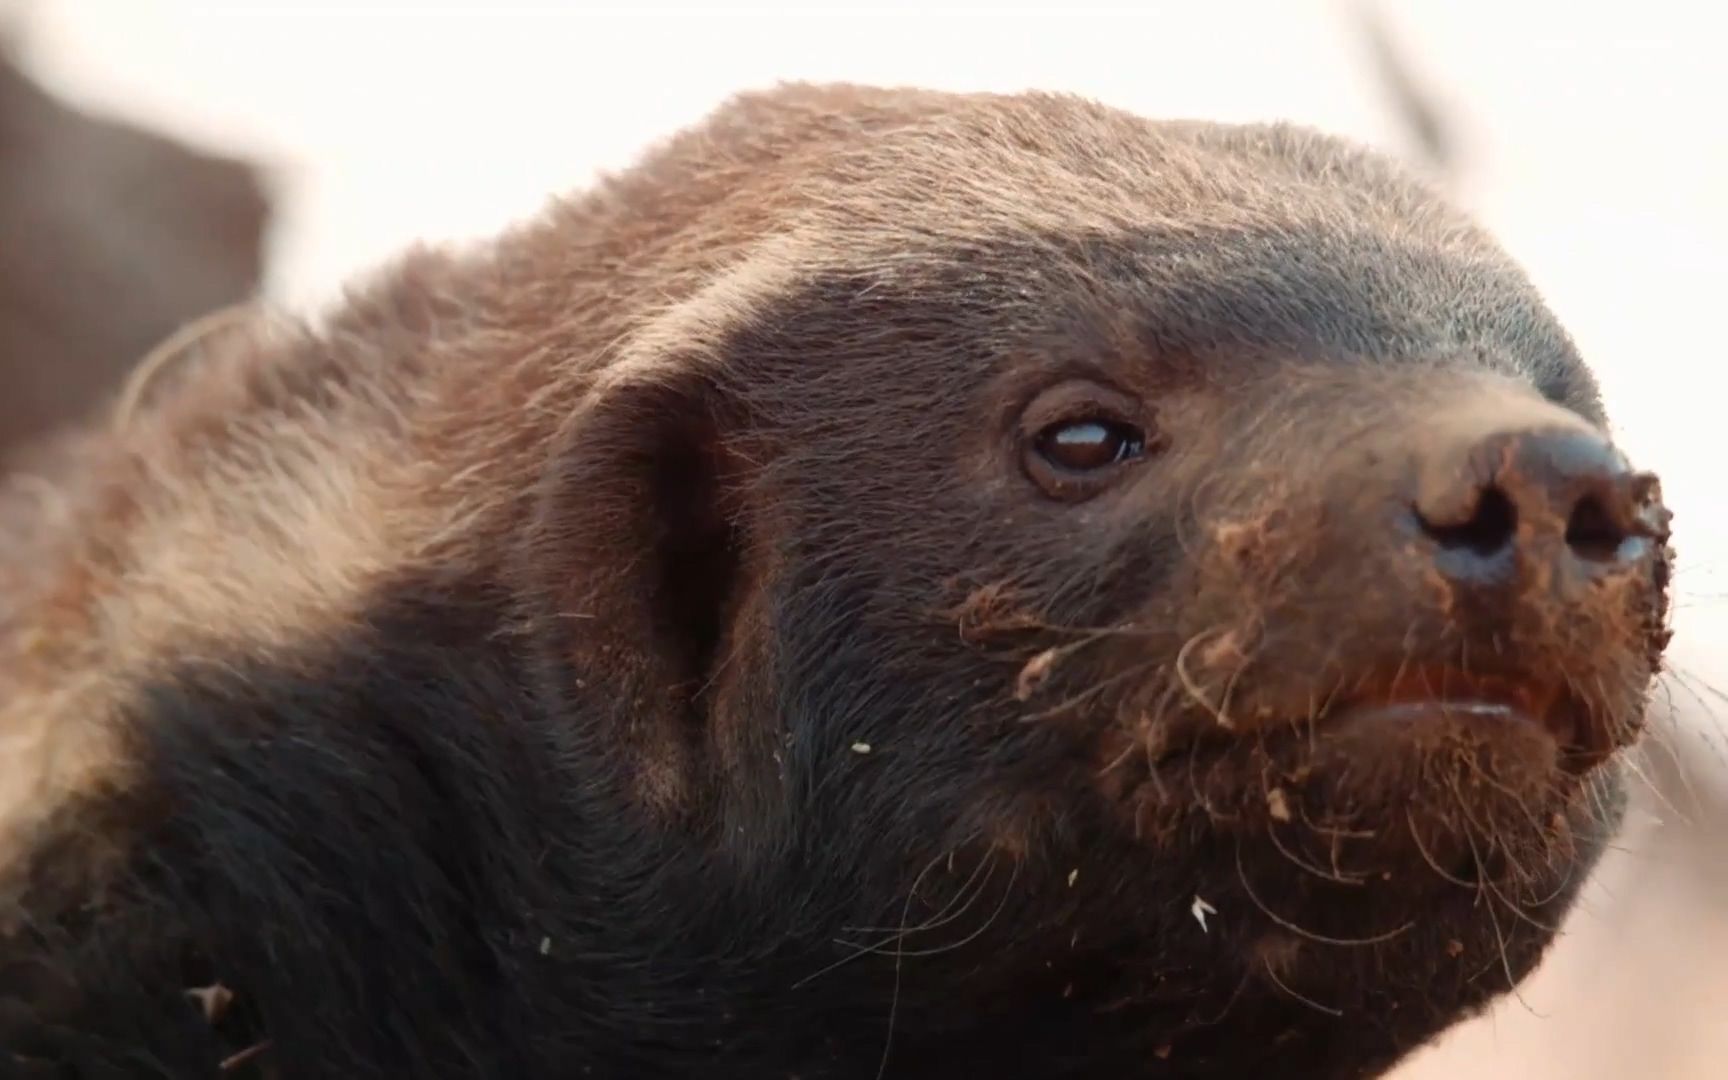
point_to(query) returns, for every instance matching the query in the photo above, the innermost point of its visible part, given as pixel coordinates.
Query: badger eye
(1089, 445)
(1078, 438)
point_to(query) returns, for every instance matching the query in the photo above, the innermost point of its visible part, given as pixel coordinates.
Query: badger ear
(639, 539)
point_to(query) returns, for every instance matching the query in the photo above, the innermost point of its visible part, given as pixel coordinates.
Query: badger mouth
(1413, 704)
(1469, 774)
(1488, 704)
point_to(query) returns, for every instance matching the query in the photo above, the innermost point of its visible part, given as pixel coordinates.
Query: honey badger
(895, 583)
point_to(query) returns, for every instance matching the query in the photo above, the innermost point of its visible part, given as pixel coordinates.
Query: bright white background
(1595, 147)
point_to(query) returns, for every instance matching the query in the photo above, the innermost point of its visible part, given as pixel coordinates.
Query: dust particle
(1454, 948)
(1201, 909)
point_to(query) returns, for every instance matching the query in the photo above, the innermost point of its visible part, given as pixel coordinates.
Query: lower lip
(1421, 710)
(1486, 712)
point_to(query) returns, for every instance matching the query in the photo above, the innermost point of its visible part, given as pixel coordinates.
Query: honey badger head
(944, 583)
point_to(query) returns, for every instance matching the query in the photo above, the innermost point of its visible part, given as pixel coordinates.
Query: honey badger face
(1031, 592)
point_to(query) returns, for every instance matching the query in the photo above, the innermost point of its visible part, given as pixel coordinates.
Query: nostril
(1489, 528)
(1508, 506)
(1591, 531)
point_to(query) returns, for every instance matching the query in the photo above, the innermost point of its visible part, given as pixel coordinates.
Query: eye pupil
(1084, 445)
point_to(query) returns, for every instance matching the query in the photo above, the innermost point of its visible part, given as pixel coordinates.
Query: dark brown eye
(1088, 445)
(1078, 438)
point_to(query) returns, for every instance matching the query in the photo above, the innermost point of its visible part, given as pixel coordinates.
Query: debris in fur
(1454, 948)
(1163, 1052)
(1032, 676)
(1201, 909)
(1278, 805)
(213, 999)
(991, 610)
(545, 946)
(860, 748)
(1073, 876)
(1224, 651)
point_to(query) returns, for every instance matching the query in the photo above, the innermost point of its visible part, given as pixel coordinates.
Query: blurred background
(160, 159)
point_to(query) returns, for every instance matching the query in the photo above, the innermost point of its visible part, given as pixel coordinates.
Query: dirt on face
(896, 583)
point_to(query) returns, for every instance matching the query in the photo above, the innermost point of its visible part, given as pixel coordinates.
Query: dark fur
(598, 653)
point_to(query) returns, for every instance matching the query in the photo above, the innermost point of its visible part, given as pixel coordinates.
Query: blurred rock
(110, 238)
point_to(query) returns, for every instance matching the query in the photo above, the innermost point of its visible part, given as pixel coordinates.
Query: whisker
(1499, 937)
(1433, 863)
(1308, 1001)
(1194, 692)
(946, 915)
(868, 949)
(1512, 905)
(1473, 828)
(1658, 792)
(1097, 689)
(1377, 939)
(1001, 906)
(1336, 875)
(894, 999)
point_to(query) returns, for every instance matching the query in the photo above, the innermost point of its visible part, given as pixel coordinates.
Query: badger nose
(1560, 495)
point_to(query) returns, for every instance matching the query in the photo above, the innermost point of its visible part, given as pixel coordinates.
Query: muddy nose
(1511, 498)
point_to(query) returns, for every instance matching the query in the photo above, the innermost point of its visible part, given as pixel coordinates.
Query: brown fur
(820, 298)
